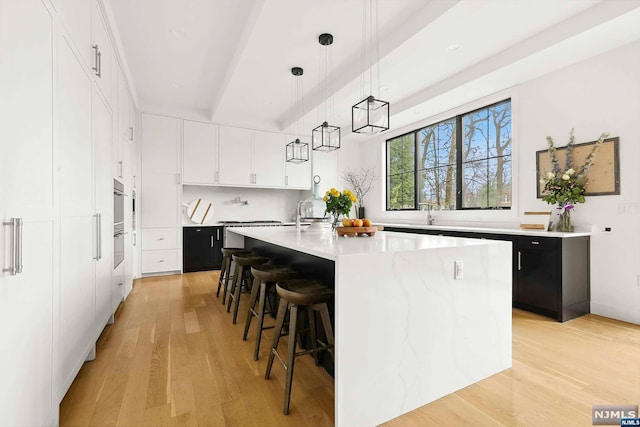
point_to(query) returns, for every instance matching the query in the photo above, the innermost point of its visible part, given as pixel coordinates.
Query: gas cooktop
(251, 222)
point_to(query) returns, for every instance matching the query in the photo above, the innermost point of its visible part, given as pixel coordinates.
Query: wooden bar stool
(242, 277)
(225, 270)
(309, 295)
(264, 277)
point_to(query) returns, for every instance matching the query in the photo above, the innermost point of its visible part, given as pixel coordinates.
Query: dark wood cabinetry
(202, 248)
(550, 274)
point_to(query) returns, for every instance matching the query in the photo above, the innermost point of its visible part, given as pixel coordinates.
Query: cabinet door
(268, 159)
(103, 58)
(235, 156)
(538, 274)
(27, 312)
(76, 16)
(197, 248)
(77, 240)
(298, 175)
(160, 197)
(102, 135)
(200, 153)
(218, 244)
(160, 144)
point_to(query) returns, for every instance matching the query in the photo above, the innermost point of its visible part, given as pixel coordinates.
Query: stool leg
(223, 270)
(328, 330)
(312, 332)
(252, 303)
(291, 355)
(263, 291)
(236, 276)
(282, 312)
(245, 279)
(226, 280)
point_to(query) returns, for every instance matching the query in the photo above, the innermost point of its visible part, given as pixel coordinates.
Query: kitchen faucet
(430, 217)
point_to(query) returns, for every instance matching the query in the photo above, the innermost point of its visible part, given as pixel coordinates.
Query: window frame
(459, 139)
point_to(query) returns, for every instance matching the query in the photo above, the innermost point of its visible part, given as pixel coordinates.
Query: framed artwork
(604, 176)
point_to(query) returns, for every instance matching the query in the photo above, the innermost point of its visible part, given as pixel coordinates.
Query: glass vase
(335, 223)
(565, 223)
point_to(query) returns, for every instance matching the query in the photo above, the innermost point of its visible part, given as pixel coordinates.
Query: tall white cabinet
(28, 317)
(161, 194)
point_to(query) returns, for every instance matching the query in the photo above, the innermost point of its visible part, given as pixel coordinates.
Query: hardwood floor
(173, 358)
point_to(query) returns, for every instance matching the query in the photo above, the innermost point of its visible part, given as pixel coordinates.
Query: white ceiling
(229, 61)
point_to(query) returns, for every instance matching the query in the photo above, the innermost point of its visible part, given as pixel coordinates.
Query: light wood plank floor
(174, 358)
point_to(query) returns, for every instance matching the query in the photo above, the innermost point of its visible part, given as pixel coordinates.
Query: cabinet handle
(519, 260)
(131, 134)
(161, 260)
(160, 238)
(95, 58)
(178, 179)
(217, 234)
(535, 243)
(121, 168)
(211, 241)
(99, 65)
(15, 246)
(135, 239)
(120, 284)
(98, 256)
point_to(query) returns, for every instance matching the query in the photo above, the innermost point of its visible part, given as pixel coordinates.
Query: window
(401, 175)
(460, 163)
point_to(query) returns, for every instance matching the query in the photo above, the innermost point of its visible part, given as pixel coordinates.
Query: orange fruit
(366, 222)
(357, 223)
(346, 222)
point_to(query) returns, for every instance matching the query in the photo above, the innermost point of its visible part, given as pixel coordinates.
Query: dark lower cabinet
(201, 248)
(550, 274)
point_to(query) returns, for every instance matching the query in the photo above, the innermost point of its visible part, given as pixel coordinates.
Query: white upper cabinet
(235, 155)
(268, 159)
(160, 144)
(103, 63)
(76, 17)
(297, 175)
(200, 153)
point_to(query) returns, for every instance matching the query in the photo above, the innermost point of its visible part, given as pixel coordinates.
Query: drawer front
(160, 238)
(538, 243)
(159, 261)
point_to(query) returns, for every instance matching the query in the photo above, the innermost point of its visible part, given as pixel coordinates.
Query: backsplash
(261, 203)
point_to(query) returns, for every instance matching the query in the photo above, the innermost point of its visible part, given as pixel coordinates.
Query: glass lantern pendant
(297, 151)
(370, 116)
(325, 137)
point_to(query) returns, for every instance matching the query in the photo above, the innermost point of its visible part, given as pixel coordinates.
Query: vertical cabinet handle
(217, 234)
(131, 133)
(99, 74)
(135, 239)
(15, 246)
(121, 168)
(211, 241)
(519, 260)
(18, 245)
(95, 59)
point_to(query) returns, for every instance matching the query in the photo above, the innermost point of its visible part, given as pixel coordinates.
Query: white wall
(264, 204)
(596, 95)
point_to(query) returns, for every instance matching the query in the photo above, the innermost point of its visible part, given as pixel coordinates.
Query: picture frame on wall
(604, 176)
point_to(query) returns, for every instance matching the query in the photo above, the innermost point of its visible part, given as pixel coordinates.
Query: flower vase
(337, 221)
(565, 223)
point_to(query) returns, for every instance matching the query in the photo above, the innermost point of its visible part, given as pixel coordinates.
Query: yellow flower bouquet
(338, 203)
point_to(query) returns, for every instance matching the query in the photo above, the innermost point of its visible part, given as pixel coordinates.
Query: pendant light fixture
(325, 137)
(297, 151)
(370, 115)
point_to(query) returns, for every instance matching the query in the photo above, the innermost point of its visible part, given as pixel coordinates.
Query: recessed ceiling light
(453, 47)
(179, 34)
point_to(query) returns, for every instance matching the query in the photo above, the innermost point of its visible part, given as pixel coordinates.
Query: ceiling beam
(352, 69)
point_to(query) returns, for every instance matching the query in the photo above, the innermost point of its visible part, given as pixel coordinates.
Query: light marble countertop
(491, 230)
(324, 245)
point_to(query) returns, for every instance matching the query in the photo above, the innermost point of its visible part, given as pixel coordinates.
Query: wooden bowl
(358, 231)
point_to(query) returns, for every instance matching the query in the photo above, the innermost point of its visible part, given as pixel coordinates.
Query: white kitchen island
(406, 332)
